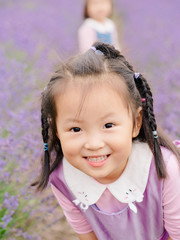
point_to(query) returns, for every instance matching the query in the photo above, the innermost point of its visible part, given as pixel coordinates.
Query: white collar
(105, 27)
(128, 188)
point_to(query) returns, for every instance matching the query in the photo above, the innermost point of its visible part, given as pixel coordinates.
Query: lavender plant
(150, 38)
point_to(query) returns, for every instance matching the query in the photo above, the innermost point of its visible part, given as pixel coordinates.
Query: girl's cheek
(71, 144)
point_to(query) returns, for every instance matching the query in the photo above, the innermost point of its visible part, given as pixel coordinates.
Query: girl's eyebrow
(74, 120)
(109, 114)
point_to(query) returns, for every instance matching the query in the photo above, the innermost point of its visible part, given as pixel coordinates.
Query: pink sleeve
(86, 37)
(75, 218)
(171, 198)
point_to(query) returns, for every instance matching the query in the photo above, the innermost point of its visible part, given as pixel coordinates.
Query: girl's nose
(94, 143)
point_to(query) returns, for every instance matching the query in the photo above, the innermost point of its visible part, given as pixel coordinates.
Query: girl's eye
(75, 129)
(108, 125)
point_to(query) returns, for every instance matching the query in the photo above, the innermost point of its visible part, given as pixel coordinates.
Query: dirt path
(59, 231)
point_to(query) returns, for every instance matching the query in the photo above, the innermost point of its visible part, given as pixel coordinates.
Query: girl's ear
(138, 122)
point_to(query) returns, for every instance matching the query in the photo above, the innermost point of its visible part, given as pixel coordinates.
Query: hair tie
(45, 146)
(136, 75)
(98, 52)
(155, 134)
(143, 99)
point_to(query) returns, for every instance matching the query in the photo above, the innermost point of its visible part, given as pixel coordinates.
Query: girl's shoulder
(57, 175)
(168, 155)
(171, 193)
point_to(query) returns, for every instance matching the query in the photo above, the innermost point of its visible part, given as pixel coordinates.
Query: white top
(107, 26)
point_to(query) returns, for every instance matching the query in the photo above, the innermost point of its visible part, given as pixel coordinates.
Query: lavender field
(34, 35)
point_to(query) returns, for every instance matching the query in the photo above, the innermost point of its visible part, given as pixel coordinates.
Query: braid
(45, 126)
(149, 117)
(53, 154)
(46, 160)
(149, 104)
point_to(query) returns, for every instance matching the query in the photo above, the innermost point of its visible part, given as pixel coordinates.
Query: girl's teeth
(96, 159)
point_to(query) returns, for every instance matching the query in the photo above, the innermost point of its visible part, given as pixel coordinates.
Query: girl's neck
(100, 21)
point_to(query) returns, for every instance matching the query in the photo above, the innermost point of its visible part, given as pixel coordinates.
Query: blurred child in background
(97, 26)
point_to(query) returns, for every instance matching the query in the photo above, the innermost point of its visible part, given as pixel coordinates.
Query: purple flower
(5, 220)
(10, 202)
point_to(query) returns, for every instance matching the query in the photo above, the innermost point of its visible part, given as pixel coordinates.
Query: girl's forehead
(87, 85)
(82, 93)
(79, 103)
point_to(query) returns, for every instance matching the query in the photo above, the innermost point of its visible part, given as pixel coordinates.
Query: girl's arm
(89, 236)
(171, 197)
(169, 238)
(86, 37)
(115, 38)
(73, 215)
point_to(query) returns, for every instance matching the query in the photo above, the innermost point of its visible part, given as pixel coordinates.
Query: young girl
(115, 175)
(97, 25)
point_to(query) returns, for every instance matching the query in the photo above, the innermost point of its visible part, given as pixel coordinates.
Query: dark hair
(91, 63)
(86, 15)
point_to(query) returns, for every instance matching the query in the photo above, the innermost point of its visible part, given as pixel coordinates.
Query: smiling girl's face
(99, 9)
(96, 135)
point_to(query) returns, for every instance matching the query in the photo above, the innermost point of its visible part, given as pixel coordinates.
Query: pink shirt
(171, 204)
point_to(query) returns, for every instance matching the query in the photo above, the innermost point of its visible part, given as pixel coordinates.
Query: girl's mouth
(97, 161)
